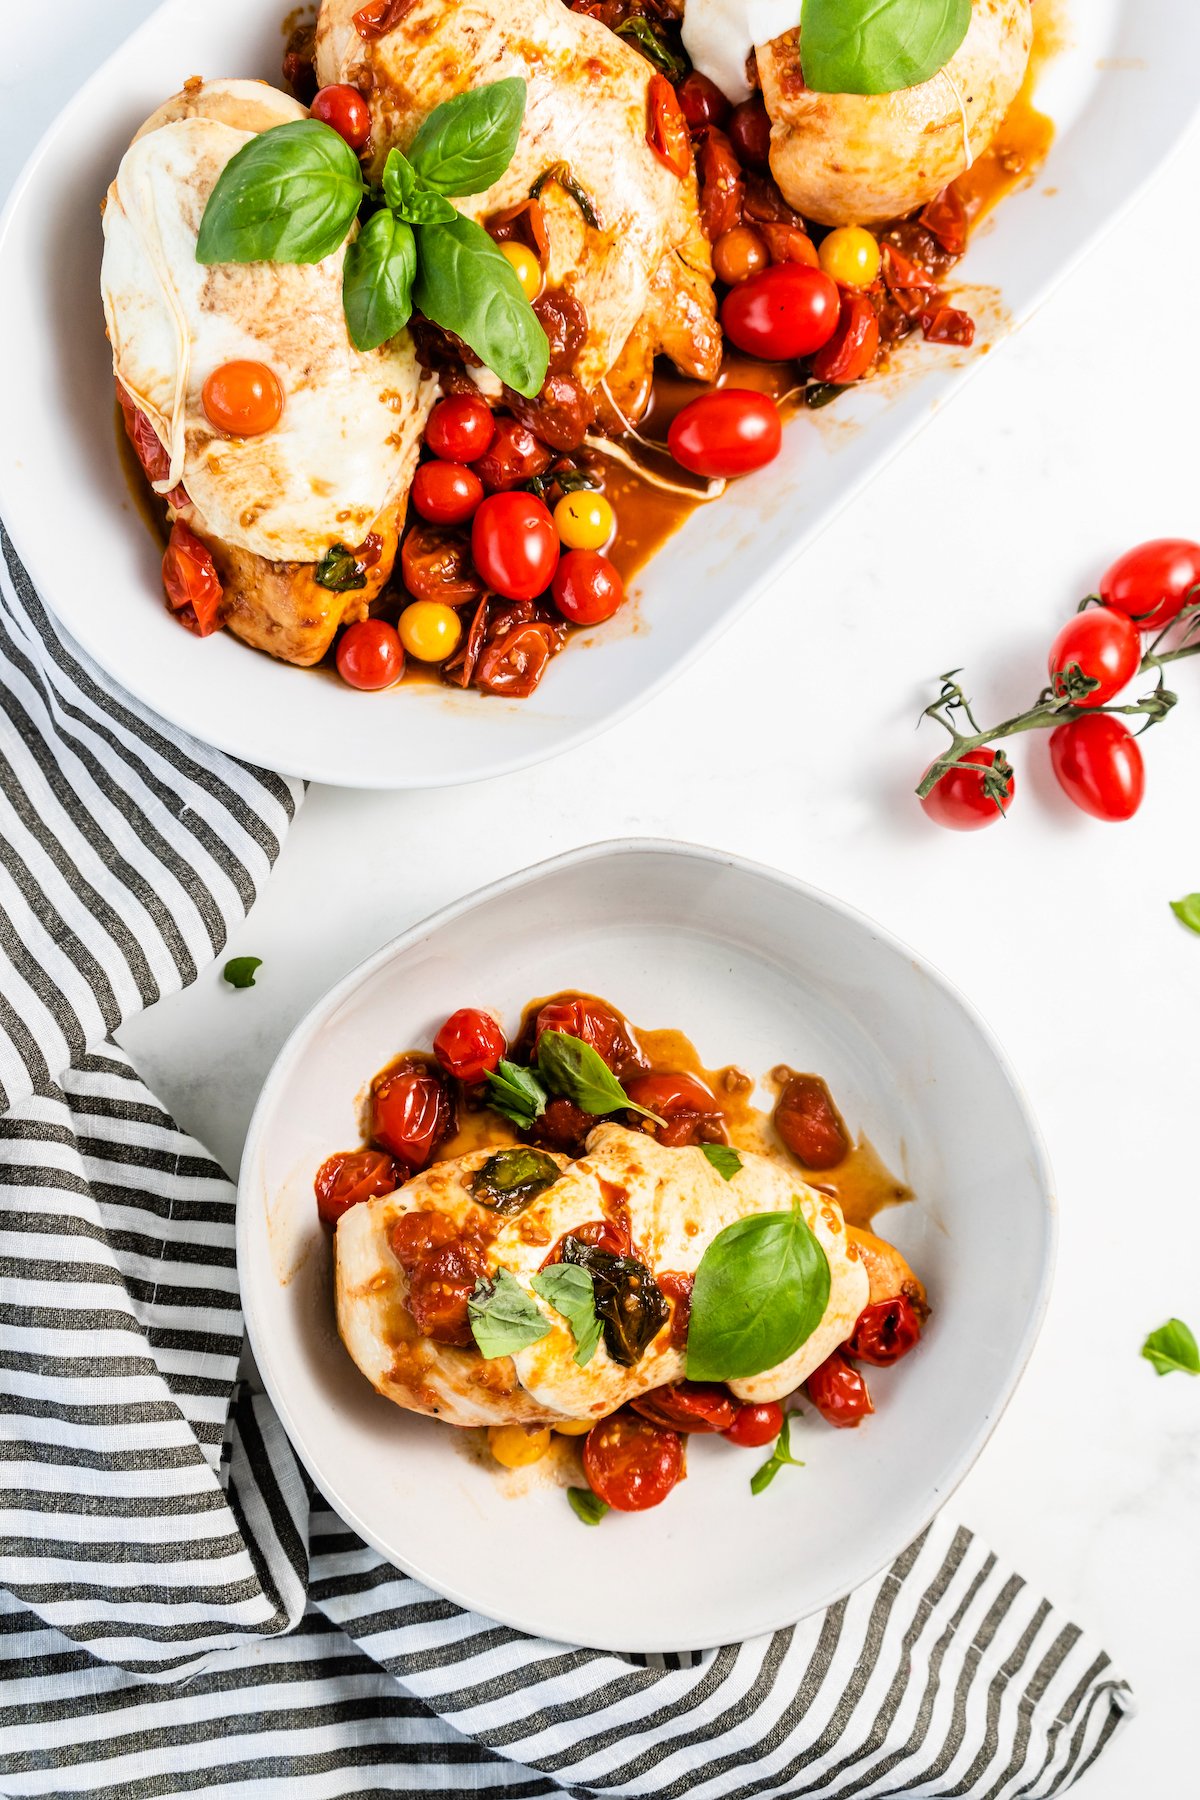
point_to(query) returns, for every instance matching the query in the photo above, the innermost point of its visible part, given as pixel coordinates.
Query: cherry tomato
(722, 190)
(525, 266)
(749, 131)
(585, 520)
(345, 111)
(370, 656)
(436, 565)
(961, 802)
(439, 1292)
(1154, 581)
(513, 664)
(787, 243)
(731, 431)
(446, 493)
(850, 256)
(785, 311)
(1102, 644)
(596, 1025)
(696, 1406)
(701, 101)
(1098, 763)
(411, 1112)
(602, 1234)
(415, 1234)
(839, 1393)
(666, 127)
(430, 631)
(514, 545)
(470, 1044)
(682, 1100)
(587, 588)
(630, 1463)
(755, 1426)
(678, 1289)
(809, 1123)
(885, 1332)
(243, 399)
(853, 346)
(193, 587)
(738, 254)
(515, 455)
(352, 1176)
(460, 428)
(151, 451)
(945, 218)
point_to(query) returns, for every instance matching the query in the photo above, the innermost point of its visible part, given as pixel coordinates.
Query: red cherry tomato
(415, 1234)
(446, 493)
(514, 663)
(961, 802)
(701, 101)
(460, 428)
(1154, 581)
(722, 190)
(193, 587)
(596, 1025)
(1099, 766)
(853, 346)
(631, 1463)
(515, 545)
(1102, 644)
(666, 127)
(696, 1406)
(370, 656)
(352, 1176)
(785, 311)
(750, 132)
(439, 1292)
(470, 1044)
(732, 431)
(243, 399)
(411, 1112)
(682, 1100)
(346, 112)
(885, 1332)
(436, 565)
(587, 588)
(839, 1392)
(809, 1124)
(515, 455)
(678, 1289)
(755, 1426)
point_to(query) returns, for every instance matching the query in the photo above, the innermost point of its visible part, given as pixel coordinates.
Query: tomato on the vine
(785, 311)
(1098, 764)
(756, 1425)
(470, 1044)
(370, 656)
(962, 800)
(1154, 581)
(1103, 645)
(630, 1463)
(732, 431)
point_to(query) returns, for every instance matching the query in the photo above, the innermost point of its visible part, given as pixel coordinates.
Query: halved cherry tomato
(596, 1025)
(630, 1463)
(750, 132)
(666, 127)
(1154, 581)
(948, 325)
(411, 1112)
(839, 1392)
(755, 1426)
(701, 101)
(439, 1292)
(1098, 763)
(446, 493)
(696, 1406)
(193, 587)
(460, 428)
(514, 545)
(513, 664)
(415, 1234)
(470, 1044)
(515, 455)
(722, 190)
(785, 311)
(885, 1332)
(352, 1176)
(731, 431)
(436, 565)
(345, 111)
(587, 588)
(945, 218)
(370, 656)
(809, 1123)
(682, 1100)
(243, 399)
(1101, 644)
(853, 346)
(960, 800)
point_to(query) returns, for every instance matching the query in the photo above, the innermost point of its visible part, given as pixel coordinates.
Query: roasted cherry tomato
(630, 1463)
(722, 190)
(514, 545)
(696, 1406)
(850, 256)
(787, 243)
(666, 127)
(416, 1234)
(460, 428)
(353, 1176)
(439, 1292)
(584, 520)
(945, 218)
(839, 1392)
(682, 1100)
(1154, 581)
(596, 1025)
(853, 346)
(193, 587)
(738, 254)
(512, 664)
(514, 456)
(755, 1426)
(809, 1123)
(470, 1044)
(525, 266)
(430, 631)
(151, 451)
(345, 111)
(1098, 763)
(243, 399)
(446, 493)
(678, 1289)
(785, 311)
(1102, 644)
(587, 588)
(962, 802)
(370, 656)
(436, 565)
(731, 431)
(411, 1112)
(885, 1332)
(749, 131)
(701, 101)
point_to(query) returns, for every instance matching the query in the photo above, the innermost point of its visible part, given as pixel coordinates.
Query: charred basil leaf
(821, 393)
(724, 1159)
(629, 1302)
(655, 49)
(340, 571)
(560, 174)
(503, 1317)
(571, 1291)
(587, 1506)
(516, 1094)
(508, 1181)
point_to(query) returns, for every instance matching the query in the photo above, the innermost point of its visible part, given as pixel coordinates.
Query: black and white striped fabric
(179, 1612)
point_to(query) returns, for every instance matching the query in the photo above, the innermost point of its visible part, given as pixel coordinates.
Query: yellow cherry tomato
(526, 267)
(584, 520)
(850, 256)
(574, 1427)
(429, 630)
(516, 1446)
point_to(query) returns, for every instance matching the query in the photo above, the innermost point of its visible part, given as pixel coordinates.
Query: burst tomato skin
(439, 1292)
(701, 101)
(193, 587)
(785, 311)
(345, 111)
(587, 588)
(435, 563)
(755, 1426)
(839, 1392)
(885, 1332)
(682, 1100)
(1104, 645)
(513, 664)
(853, 345)
(514, 455)
(960, 802)
(666, 127)
(596, 1025)
(807, 1121)
(730, 432)
(1154, 581)
(514, 545)
(689, 1406)
(460, 428)
(1098, 764)
(630, 1463)
(446, 493)
(370, 656)
(470, 1044)
(411, 1113)
(351, 1176)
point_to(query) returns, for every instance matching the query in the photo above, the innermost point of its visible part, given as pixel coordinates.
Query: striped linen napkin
(180, 1612)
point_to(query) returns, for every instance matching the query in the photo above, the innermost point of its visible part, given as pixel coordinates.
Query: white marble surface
(793, 742)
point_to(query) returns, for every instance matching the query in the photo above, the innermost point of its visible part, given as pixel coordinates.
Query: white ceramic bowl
(757, 969)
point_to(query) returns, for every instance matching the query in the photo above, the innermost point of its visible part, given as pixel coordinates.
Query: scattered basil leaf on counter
(510, 1179)
(340, 571)
(290, 195)
(466, 286)
(516, 1094)
(572, 1068)
(724, 1159)
(503, 1317)
(407, 198)
(878, 46)
(240, 971)
(466, 144)
(628, 1301)
(571, 1292)
(760, 1292)
(1187, 911)
(1172, 1348)
(780, 1457)
(587, 1506)
(656, 50)
(377, 282)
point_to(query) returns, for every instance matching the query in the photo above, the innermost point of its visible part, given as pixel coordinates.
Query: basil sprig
(1172, 1348)
(760, 1292)
(503, 1317)
(878, 46)
(724, 1159)
(571, 1292)
(781, 1457)
(570, 1067)
(516, 1094)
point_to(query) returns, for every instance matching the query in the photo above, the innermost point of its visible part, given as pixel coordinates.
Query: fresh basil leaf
(516, 1094)
(570, 1291)
(466, 144)
(724, 1159)
(406, 196)
(1172, 1347)
(628, 1301)
(570, 1067)
(290, 195)
(656, 50)
(378, 280)
(510, 1179)
(1187, 911)
(878, 46)
(340, 571)
(466, 286)
(503, 1317)
(760, 1292)
(587, 1506)
(239, 972)
(780, 1457)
